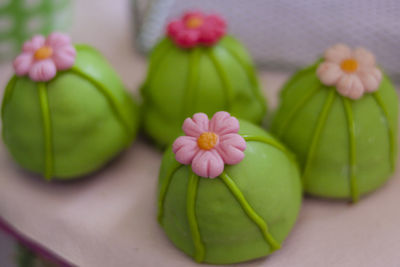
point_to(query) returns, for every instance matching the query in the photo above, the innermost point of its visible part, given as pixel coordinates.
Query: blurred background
(288, 34)
(281, 35)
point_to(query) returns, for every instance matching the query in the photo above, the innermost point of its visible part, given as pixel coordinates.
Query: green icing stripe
(7, 93)
(299, 105)
(116, 108)
(262, 225)
(385, 112)
(226, 85)
(318, 129)
(355, 195)
(191, 214)
(164, 189)
(269, 141)
(250, 74)
(193, 71)
(48, 139)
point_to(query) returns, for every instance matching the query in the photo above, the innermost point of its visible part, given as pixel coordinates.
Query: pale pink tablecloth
(109, 219)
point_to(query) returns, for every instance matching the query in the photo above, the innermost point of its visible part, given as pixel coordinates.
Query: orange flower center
(194, 22)
(43, 52)
(349, 65)
(207, 140)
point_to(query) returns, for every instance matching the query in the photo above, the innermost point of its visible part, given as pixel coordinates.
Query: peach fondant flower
(353, 72)
(209, 144)
(41, 58)
(196, 28)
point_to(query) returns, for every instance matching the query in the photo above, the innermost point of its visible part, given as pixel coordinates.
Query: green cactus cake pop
(340, 117)
(197, 68)
(65, 113)
(228, 191)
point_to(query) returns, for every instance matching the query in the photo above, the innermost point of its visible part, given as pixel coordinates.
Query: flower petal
(57, 40)
(231, 147)
(364, 57)
(187, 38)
(185, 148)
(337, 53)
(174, 27)
(212, 30)
(43, 70)
(196, 126)
(23, 63)
(223, 123)
(208, 163)
(350, 86)
(371, 79)
(34, 44)
(329, 73)
(64, 57)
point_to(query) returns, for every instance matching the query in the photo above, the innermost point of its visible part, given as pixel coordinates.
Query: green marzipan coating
(301, 103)
(181, 82)
(82, 76)
(199, 248)
(355, 194)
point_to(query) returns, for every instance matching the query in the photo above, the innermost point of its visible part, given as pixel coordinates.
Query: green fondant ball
(181, 82)
(206, 218)
(346, 148)
(71, 125)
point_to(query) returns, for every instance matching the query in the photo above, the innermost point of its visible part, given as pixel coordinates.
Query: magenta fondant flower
(209, 144)
(196, 28)
(353, 72)
(41, 58)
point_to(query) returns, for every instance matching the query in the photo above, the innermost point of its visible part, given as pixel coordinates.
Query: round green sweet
(181, 82)
(243, 214)
(71, 125)
(346, 148)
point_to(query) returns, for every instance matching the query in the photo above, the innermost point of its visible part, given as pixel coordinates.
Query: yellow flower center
(43, 52)
(194, 22)
(349, 65)
(207, 140)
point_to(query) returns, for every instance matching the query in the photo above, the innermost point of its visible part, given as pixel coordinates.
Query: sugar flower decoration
(209, 144)
(196, 28)
(42, 57)
(353, 72)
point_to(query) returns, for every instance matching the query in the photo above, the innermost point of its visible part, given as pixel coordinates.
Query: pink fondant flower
(353, 72)
(41, 58)
(209, 144)
(196, 28)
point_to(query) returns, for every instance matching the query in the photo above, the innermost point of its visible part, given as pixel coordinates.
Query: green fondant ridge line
(7, 92)
(163, 190)
(269, 141)
(199, 249)
(226, 85)
(253, 216)
(318, 129)
(251, 76)
(355, 195)
(385, 112)
(47, 132)
(193, 70)
(300, 104)
(115, 107)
